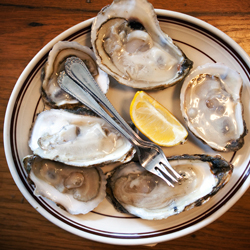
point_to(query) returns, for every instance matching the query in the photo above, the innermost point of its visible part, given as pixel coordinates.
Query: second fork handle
(68, 85)
(78, 71)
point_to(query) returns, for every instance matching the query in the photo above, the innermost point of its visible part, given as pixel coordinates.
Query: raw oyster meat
(77, 139)
(211, 106)
(52, 94)
(134, 190)
(130, 46)
(76, 189)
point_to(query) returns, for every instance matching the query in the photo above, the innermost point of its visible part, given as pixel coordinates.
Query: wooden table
(25, 27)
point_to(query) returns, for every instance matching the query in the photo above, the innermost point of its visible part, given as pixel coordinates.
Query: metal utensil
(78, 82)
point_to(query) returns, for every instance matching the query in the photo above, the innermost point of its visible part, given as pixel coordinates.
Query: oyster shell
(78, 190)
(77, 139)
(212, 108)
(52, 94)
(130, 46)
(134, 190)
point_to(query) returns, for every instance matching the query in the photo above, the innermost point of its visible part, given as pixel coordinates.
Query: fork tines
(162, 171)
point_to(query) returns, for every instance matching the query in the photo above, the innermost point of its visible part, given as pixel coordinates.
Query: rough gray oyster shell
(131, 47)
(134, 190)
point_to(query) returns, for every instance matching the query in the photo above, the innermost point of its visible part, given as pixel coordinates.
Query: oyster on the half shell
(77, 139)
(211, 105)
(134, 190)
(52, 94)
(130, 46)
(76, 189)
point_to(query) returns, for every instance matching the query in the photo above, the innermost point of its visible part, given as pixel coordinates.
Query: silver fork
(78, 82)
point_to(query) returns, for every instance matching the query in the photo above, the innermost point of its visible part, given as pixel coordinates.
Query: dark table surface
(26, 26)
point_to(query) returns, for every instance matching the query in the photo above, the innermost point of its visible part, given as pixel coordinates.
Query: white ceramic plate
(202, 43)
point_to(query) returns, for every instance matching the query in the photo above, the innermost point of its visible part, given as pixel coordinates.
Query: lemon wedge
(155, 121)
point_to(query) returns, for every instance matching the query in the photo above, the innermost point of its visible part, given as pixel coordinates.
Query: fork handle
(68, 85)
(78, 71)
